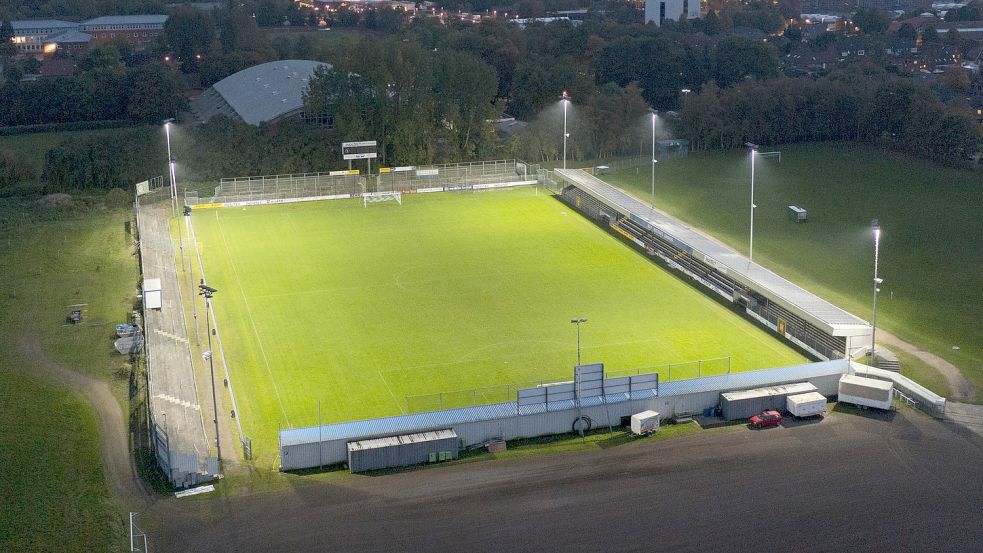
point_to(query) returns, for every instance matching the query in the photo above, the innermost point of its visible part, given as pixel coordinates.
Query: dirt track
(113, 440)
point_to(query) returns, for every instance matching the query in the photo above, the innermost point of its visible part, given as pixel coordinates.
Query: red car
(768, 418)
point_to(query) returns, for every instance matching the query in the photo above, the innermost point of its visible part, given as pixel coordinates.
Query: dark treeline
(846, 106)
(77, 9)
(429, 90)
(104, 88)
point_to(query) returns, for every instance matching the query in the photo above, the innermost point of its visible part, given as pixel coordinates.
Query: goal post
(379, 197)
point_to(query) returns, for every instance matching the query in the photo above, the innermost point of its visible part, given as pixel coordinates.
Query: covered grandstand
(268, 92)
(803, 318)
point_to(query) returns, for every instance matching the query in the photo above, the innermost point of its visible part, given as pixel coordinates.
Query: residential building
(657, 11)
(30, 35)
(138, 30)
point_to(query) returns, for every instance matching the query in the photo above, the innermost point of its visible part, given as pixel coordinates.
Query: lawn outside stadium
(331, 311)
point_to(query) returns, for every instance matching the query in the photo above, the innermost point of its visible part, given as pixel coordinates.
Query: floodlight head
(875, 224)
(578, 320)
(878, 280)
(754, 147)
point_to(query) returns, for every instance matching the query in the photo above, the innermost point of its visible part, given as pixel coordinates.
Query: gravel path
(962, 389)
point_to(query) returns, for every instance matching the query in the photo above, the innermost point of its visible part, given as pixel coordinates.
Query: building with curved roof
(263, 93)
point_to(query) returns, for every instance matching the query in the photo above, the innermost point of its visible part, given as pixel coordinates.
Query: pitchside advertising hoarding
(359, 150)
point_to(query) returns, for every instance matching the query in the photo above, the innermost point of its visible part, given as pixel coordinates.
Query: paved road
(900, 482)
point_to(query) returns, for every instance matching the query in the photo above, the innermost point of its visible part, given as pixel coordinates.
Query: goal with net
(378, 197)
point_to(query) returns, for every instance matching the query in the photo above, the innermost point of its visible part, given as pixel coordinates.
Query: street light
(207, 292)
(875, 225)
(565, 98)
(755, 153)
(655, 114)
(580, 414)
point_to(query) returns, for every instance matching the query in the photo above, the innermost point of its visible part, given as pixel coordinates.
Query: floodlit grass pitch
(361, 307)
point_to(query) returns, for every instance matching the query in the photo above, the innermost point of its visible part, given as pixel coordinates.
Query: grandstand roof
(735, 265)
(265, 92)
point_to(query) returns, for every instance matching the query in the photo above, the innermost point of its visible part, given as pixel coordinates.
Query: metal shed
(401, 451)
(744, 404)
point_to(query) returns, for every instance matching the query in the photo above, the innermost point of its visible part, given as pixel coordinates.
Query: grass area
(33, 147)
(359, 308)
(930, 256)
(53, 486)
(54, 490)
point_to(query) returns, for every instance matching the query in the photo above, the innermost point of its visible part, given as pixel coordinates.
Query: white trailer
(645, 422)
(152, 295)
(866, 392)
(806, 405)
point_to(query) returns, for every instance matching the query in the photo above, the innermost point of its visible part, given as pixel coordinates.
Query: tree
(956, 78)
(906, 31)
(929, 34)
(736, 58)
(155, 94)
(870, 20)
(7, 48)
(952, 37)
(189, 32)
(969, 12)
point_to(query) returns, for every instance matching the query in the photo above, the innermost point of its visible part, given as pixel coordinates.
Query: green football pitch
(359, 308)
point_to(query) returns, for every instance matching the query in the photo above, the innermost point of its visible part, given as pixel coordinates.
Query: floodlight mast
(580, 414)
(208, 292)
(565, 98)
(876, 227)
(753, 149)
(655, 114)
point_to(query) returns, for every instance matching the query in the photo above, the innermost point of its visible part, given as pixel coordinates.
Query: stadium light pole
(580, 414)
(172, 170)
(208, 292)
(170, 166)
(565, 98)
(655, 114)
(876, 226)
(755, 153)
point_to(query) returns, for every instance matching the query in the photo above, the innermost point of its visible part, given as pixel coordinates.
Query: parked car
(768, 418)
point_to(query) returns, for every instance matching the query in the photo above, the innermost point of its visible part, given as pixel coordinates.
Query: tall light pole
(207, 292)
(755, 153)
(566, 102)
(580, 415)
(170, 167)
(173, 174)
(875, 225)
(655, 114)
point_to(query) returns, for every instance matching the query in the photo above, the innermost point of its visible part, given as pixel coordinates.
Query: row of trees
(845, 106)
(104, 88)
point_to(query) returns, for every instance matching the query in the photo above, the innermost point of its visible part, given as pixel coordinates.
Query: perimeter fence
(342, 184)
(471, 397)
